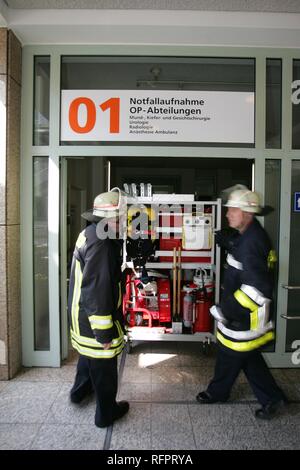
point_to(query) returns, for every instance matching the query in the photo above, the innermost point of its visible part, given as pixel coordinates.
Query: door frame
(54, 151)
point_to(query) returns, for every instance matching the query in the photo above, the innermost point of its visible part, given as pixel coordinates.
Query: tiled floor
(161, 381)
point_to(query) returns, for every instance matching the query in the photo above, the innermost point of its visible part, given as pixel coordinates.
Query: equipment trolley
(172, 268)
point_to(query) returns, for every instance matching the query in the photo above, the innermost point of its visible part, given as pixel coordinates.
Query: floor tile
(63, 411)
(188, 360)
(283, 437)
(161, 381)
(136, 375)
(192, 390)
(236, 437)
(292, 375)
(27, 402)
(195, 375)
(133, 431)
(242, 392)
(66, 373)
(221, 414)
(140, 392)
(131, 441)
(170, 375)
(176, 440)
(291, 390)
(287, 415)
(280, 376)
(168, 418)
(17, 436)
(174, 392)
(69, 437)
(155, 360)
(3, 384)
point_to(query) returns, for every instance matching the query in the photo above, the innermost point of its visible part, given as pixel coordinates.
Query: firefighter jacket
(94, 304)
(247, 292)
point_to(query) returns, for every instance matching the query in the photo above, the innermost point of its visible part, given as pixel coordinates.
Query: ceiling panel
(283, 6)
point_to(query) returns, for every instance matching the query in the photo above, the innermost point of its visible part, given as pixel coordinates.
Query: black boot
(270, 410)
(205, 398)
(121, 408)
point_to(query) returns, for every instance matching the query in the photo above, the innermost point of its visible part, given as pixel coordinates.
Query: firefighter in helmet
(94, 307)
(244, 321)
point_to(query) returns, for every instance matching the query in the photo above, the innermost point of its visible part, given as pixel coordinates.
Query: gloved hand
(104, 341)
(225, 238)
(216, 312)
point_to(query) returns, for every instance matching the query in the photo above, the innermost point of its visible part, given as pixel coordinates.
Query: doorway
(85, 177)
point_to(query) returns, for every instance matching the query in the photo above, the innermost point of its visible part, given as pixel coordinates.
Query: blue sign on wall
(297, 202)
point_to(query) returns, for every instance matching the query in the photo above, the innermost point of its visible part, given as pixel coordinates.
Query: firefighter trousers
(100, 376)
(229, 365)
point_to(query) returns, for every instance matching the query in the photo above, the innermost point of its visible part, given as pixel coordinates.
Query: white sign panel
(157, 116)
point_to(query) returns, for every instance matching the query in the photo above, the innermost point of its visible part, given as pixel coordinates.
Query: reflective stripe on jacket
(247, 293)
(94, 304)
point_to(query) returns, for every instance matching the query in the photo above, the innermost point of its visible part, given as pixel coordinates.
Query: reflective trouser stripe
(76, 296)
(246, 302)
(246, 345)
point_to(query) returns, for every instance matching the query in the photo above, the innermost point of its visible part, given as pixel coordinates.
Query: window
(296, 105)
(41, 100)
(273, 103)
(40, 254)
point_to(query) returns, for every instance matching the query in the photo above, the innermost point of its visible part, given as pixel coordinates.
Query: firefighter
(244, 323)
(94, 308)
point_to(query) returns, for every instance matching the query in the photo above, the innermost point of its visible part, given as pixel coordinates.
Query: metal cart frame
(145, 333)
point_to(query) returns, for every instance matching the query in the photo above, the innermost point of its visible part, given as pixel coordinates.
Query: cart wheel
(128, 347)
(205, 348)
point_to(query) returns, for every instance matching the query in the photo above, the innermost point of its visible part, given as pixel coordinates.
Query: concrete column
(10, 110)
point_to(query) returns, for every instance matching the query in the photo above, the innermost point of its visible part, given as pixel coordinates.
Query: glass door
(287, 349)
(82, 178)
(292, 315)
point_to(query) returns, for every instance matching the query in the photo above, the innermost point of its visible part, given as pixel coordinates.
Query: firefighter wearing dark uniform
(244, 322)
(95, 314)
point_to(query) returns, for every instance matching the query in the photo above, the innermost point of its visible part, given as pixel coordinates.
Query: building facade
(54, 177)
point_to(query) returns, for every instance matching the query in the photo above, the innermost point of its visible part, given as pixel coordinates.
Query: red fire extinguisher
(204, 300)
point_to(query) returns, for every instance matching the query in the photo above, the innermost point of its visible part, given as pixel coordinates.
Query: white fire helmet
(110, 204)
(244, 199)
(107, 205)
